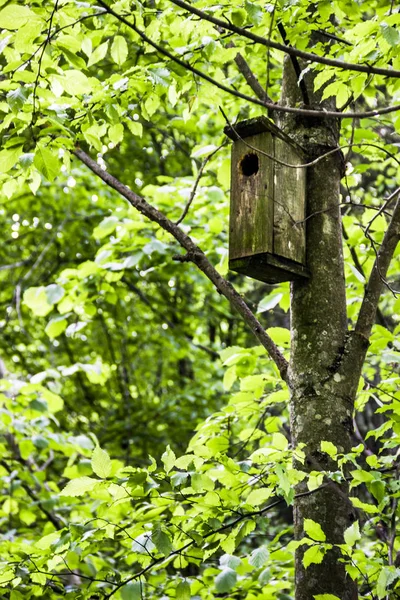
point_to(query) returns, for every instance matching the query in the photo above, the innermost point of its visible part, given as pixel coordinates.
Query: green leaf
(314, 530)
(313, 555)
(54, 293)
(179, 478)
(259, 557)
(14, 16)
(257, 497)
(48, 540)
(279, 441)
(16, 99)
(161, 540)
(326, 597)
(329, 449)
(56, 326)
(368, 508)
(54, 402)
(101, 463)
(352, 534)
(116, 133)
(47, 163)
(151, 104)
(204, 150)
(160, 76)
(227, 560)
(238, 17)
(183, 591)
(104, 228)
(75, 83)
(391, 35)
(132, 591)
(254, 12)
(202, 482)
(35, 298)
(119, 50)
(135, 128)
(280, 336)
(168, 458)
(9, 158)
(79, 486)
(269, 302)
(98, 54)
(386, 577)
(225, 581)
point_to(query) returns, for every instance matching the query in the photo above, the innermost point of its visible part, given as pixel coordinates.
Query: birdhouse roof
(257, 125)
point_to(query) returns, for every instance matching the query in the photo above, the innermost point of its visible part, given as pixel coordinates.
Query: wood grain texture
(251, 212)
(289, 205)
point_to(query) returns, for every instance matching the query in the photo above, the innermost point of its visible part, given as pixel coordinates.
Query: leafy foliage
(144, 438)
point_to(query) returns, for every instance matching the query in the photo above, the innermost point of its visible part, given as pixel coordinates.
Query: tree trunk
(320, 409)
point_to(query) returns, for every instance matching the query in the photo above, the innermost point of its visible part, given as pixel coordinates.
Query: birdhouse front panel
(251, 210)
(268, 199)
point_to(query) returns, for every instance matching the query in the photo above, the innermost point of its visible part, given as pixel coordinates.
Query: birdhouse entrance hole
(249, 164)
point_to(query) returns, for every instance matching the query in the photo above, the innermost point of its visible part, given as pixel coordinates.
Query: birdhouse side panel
(289, 204)
(251, 211)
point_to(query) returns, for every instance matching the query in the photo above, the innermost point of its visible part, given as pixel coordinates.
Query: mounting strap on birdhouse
(267, 233)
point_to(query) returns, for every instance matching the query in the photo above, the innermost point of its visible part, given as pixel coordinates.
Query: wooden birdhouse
(267, 238)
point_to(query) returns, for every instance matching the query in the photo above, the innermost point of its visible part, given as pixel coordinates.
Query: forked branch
(195, 255)
(366, 317)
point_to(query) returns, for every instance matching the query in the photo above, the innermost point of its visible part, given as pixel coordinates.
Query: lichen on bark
(321, 408)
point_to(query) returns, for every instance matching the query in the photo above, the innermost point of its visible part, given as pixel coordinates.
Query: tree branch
(275, 107)
(196, 183)
(366, 317)
(353, 253)
(358, 340)
(195, 255)
(249, 76)
(297, 69)
(287, 49)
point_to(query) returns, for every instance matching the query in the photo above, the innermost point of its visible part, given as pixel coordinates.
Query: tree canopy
(147, 449)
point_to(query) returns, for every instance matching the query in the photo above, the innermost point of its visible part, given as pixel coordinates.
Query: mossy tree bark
(321, 406)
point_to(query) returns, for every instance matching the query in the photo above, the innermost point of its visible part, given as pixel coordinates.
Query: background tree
(111, 335)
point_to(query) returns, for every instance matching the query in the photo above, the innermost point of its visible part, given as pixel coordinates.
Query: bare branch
(195, 255)
(196, 184)
(249, 76)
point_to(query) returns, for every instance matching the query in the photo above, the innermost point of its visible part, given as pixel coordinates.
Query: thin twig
(373, 290)
(45, 44)
(196, 183)
(382, 209)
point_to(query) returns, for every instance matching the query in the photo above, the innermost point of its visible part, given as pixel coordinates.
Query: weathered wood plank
(289, 204)
(251, 211)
